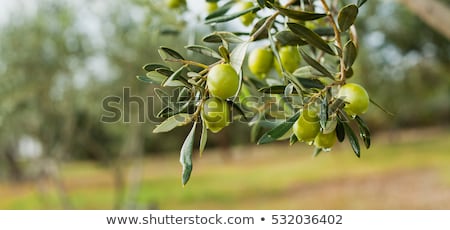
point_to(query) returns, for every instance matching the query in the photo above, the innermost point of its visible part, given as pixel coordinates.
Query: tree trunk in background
(433, 12)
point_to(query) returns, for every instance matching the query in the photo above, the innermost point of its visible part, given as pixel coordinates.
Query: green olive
(356, 98)
(216, 114)
(211, 7)
(174, 4)
(290, 59)
(325, 141)
(307, 126)
(260, 61)
(223, 81)
(247, 18)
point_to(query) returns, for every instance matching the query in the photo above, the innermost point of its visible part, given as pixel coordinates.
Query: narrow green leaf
(317, 151)
(155, 77)
(186, 155)
(289, 38)
(152, 67)
(260, 25)
(324, 31)
(352, 139)
(340, 131)
(220, 36)
(277, 132)
(361, 2)
(311, 37)
(220, 11)
(238, 108)
(363, 131)
(204, 50)
(237, 56)
(323, 115)
(176, 78)
(307, 72)
(164, 71)
(347, 16)
(173, 122)
(311, 83)
(226, 18)
(299, 15)
(261, 3)
(274, 89)
(381, 107)
(293, 139)
(203, 138)
(149, 80)
(350, 53)
(164, 51)
(316, 65)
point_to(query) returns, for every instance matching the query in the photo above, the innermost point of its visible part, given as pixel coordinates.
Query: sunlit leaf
(347, 16)
(220, 36)
(173, 122)
(204, 50)
(186, 155)
(176, 79)
(237, 56)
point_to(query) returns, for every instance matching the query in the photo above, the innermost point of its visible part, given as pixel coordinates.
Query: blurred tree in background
(60, 59)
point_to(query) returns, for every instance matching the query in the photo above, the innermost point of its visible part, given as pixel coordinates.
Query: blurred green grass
(403, 170)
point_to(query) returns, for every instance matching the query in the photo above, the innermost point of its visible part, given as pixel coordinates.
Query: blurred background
(60, 59)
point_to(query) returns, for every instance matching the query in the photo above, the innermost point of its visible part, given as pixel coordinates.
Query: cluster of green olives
(307, 127)
(223, 83)
(261, 60)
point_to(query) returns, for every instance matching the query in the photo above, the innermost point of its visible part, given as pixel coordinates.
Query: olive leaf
(311, 37)
(164, 52)
(173, 122)
(186, 155)
(347, 16)
(152, 67)
(204, 50)
(221, 36)
(288, 38)
(350, 53)
(220, 11)
(226, 18)
(277, 132)
(352, 139)
(203, 138)
(363, 131)
(361, 2)
(299, 15)
(315, 64)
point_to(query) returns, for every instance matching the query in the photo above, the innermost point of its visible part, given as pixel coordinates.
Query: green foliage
(312, 84)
